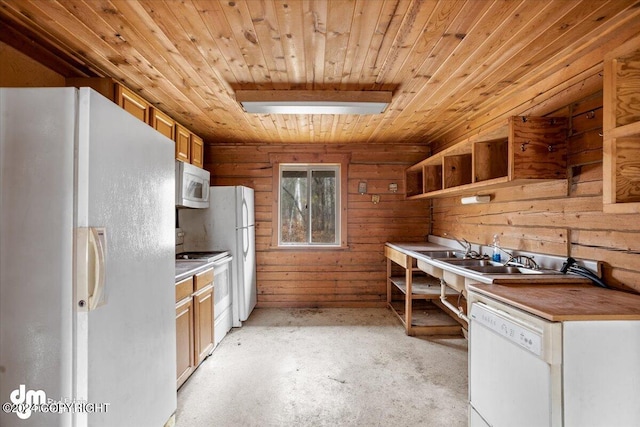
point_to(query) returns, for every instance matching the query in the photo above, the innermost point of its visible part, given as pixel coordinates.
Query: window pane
(294, 218)
(323, 206)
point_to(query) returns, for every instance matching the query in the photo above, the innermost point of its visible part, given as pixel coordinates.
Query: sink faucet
(519, 260)
(522, 261)
(468, 253)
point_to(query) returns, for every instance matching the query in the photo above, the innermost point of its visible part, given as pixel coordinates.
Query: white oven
(192, 186)
(222, 298)
(528, 371)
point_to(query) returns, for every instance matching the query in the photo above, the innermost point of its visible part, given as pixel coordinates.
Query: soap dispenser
(496, 252)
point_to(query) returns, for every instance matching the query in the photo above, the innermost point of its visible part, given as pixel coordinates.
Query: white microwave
(192, 186)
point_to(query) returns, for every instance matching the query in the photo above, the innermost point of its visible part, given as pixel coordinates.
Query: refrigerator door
(246, 211)
(37, 128)
(125, 347)
(246, 267)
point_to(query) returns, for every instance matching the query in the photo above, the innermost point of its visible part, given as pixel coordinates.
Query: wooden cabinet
(203, 321)
(185, 334)
(528, 149)
(197, 150)
(194, 323)
(162, 123)
(183, 144)
(189, 146)
(132, 103)
(621, 126)
(414, 297)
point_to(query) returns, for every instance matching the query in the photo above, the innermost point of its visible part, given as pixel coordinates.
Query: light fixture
(475, 199)
(313, 101)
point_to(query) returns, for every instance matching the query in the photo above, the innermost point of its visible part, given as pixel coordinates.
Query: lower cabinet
(194, 323)
(184, 340)
(203, 317)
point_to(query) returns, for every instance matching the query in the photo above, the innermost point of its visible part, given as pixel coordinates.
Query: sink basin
(501, 269)
(472, 262)
(441, 254)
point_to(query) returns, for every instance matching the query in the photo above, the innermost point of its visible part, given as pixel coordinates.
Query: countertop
(412, 249)
(185, 268)
(565, 302)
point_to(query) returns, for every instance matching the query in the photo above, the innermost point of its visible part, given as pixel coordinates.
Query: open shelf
(621, 123)
(422, 287)
(527, 150)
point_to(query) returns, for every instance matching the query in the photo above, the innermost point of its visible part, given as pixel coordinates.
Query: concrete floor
(327, 367)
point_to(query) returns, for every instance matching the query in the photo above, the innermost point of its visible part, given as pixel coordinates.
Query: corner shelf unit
(528, 149)
(621, 126)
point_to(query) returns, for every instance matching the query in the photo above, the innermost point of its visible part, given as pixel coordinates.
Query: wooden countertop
(564, 302)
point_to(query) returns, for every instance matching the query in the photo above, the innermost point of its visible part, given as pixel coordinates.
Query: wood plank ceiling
(446, 61)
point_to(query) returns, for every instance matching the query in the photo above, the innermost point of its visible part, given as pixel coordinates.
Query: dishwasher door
(514, 377)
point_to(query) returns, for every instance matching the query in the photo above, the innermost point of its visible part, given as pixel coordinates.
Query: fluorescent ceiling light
(313, 101)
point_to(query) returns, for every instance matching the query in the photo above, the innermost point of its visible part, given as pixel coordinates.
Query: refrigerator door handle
(245, 242)
(90, 267)
(98, 241)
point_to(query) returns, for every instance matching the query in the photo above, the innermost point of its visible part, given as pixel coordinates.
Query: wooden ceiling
(446, 61)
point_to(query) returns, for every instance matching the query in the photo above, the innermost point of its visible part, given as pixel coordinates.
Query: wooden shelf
(417, 319)
(422, 287)
(427, 319)
(621, 125)
(528, 150)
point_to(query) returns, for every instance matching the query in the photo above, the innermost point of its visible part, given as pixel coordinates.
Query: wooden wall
(561, 218)
(18, 70)
(352, 277)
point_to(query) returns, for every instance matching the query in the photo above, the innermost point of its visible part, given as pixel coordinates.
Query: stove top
(202, 256)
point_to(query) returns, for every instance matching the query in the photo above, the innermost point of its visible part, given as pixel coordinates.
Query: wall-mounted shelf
(621, 125)
(528, 149)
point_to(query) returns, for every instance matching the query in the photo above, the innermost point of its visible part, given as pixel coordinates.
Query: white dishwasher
(527, 371)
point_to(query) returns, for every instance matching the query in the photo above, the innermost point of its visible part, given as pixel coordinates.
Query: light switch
(362, 187)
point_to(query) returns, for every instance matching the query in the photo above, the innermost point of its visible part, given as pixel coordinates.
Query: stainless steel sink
(472, 262)
(502, 269)
(441, 254)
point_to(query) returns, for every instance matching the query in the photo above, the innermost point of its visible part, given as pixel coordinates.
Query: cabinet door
(162, 123)
(183, 144)
(132, 103)
(197, 151)
(185, 339)
(203, 311)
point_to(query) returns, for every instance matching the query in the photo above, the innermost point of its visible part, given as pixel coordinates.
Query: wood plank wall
(18, 70)
(554, 219)
(352, 277)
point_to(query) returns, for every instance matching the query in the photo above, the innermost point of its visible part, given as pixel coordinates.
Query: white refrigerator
(87, 317)
(228, 224)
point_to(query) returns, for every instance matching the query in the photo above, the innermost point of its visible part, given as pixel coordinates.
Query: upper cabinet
(162, 123)
(183, 144)
(189, 146)
(528, 149)
(196, 145)
(621, 126)
(132, 103)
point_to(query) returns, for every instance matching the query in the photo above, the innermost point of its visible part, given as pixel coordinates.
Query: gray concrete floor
(327, 367)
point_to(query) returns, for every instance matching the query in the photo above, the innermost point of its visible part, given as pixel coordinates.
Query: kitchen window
(310, 202)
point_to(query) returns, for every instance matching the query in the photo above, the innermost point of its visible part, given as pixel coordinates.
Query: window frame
(342, 163)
